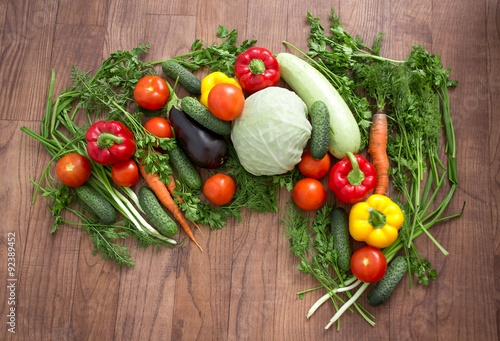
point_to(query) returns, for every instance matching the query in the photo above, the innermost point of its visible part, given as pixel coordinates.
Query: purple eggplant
(205, 148)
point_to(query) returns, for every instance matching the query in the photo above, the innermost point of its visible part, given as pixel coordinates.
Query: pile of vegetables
(250, 138)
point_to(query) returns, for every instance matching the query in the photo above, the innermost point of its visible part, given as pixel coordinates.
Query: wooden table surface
(243, 286)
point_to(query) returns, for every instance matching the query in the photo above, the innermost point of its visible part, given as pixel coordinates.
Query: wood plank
(82, 12)
(27, 42)
(270, 37)
(3, 9)
(174, 7)
(95, 296)
(468, 107)
(493, 71)
(146, 296)
(253, 289)
(44, 271)
(94, 293)
(17, 194)
(125, 27)
(78, 45)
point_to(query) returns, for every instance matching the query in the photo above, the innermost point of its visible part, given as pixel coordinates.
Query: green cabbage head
(271, 133)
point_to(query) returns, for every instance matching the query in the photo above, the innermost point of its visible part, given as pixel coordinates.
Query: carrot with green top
(163, 194)
(171, 188)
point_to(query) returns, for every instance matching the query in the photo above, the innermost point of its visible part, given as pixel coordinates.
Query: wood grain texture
(26, 51)
(493, 72)
(244, 285)
(92, 13)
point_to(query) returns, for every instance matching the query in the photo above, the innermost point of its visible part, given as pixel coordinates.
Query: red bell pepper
(352, 179)
(109, 142)
(256, 69)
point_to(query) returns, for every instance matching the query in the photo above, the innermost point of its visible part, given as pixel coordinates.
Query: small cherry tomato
(125, 173)
(151, 92)
(309, 194)
(73, 169)
(159, 127)
(312, 168)
(219, 189)
(368, 264)
(226, 101)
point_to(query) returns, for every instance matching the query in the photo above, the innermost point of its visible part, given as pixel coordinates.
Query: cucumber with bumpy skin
(320, 134)
(339, 228)
(176, 71)
(97, 203)
(155, 213)
(384, 288)
(186, 171)
(198, 112)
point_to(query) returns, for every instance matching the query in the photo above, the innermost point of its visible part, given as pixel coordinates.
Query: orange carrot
(378, 150)
(171, 188)
(162, 193)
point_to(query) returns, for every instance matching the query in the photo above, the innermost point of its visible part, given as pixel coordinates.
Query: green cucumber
(186, 171)
(384, 288)
(339, 228)
(320, 134)
(97, 203)
(176, 71)
(198, 112)
(155, 212)
(311, 86)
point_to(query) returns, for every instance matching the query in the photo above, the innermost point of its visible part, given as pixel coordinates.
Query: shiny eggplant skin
(205, 148)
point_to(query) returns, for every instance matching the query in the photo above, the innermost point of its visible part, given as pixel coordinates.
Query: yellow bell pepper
(211, 80)
(375, 221)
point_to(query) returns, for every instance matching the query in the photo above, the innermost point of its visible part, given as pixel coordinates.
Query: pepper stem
(257, 66)
(106, 140)
(356, 176)
(376, 219)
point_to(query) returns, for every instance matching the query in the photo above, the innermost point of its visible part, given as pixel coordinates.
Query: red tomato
(151, 92)
(226, 101)
(125, 173)
(219, 189)
(312, 168)
(368, 264)
(160, 127)
(73, 169)
(309, 194)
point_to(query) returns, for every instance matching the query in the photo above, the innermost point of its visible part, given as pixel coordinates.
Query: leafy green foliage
(422, 269)
(413, 93)
(217, 57)
(313, 245)
(113, 84)
(108, 92)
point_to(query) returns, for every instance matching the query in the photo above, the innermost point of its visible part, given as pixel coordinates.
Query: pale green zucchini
(311, 86)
